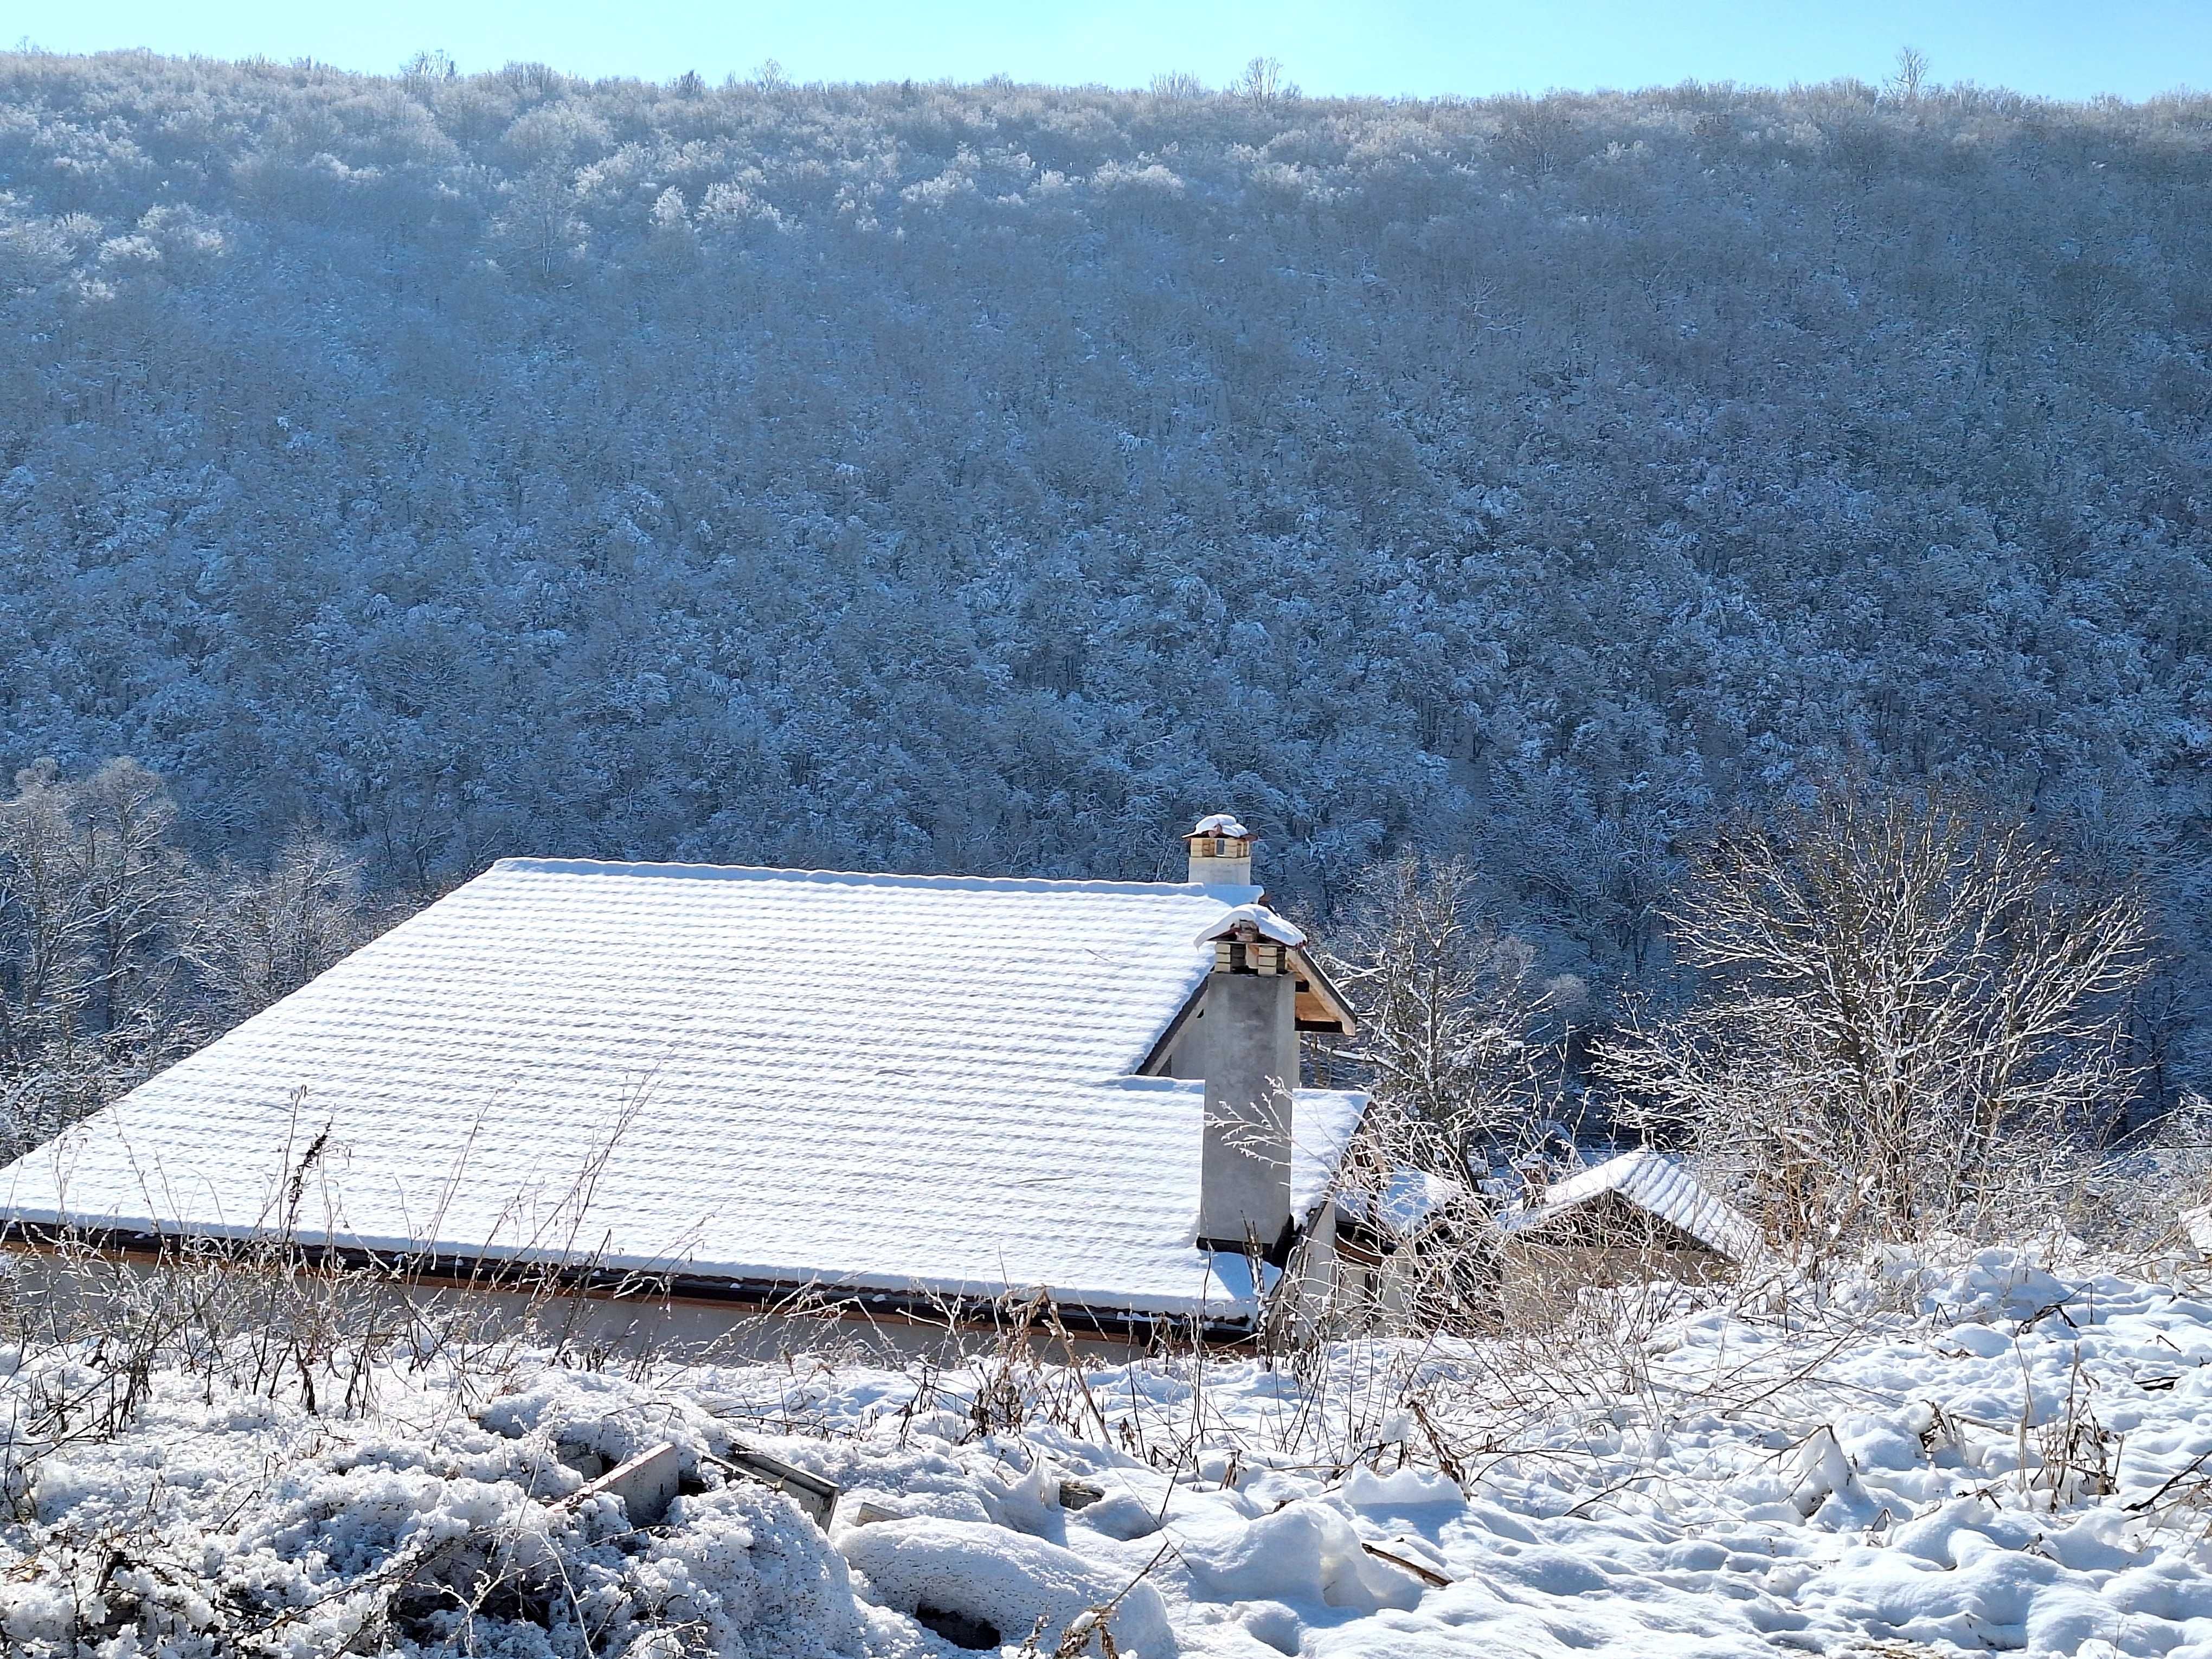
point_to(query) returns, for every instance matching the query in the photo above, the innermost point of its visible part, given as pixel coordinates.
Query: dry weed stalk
(283, 1314)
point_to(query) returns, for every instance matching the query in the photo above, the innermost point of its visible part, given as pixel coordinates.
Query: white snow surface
(1020, 1585)
(1653, 1182)
(897, 1082)
(1902, 1469)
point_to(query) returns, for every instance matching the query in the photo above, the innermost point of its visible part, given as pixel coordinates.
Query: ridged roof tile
(902, 1082)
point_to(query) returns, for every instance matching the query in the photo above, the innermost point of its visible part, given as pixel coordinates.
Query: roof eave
(1323, 990)
(448, 1268)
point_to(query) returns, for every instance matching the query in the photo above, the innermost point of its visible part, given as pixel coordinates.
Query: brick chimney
(1220, 852)
(1248, 1054)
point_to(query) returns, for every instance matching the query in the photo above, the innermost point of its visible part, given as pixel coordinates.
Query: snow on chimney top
(1220, 852)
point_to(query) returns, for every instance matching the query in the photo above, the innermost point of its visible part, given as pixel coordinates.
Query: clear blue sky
(2063, 48)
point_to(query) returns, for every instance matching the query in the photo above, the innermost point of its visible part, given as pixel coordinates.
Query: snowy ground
(1989, 1457)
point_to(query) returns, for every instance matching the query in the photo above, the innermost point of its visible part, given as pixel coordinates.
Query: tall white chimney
(1249, 1050)
(1220, 852)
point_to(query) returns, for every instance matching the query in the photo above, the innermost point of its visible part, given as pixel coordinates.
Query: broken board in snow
(815, 1496)
(646, 1484)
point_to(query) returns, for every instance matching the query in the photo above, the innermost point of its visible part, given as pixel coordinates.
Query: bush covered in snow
(220, 1522)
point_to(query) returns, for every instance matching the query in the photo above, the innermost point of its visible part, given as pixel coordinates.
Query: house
(1636, 1217)
(905, 1098)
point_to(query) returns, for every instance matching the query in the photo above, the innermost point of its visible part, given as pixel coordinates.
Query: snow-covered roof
(1322, 1126)
(1656, 1184)
(1403, 1203)
(902, 1083)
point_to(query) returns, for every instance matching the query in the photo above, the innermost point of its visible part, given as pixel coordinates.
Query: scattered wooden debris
(816, 1497)
(646, 1484)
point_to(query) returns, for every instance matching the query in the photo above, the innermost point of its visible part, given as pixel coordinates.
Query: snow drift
(1997, 1455)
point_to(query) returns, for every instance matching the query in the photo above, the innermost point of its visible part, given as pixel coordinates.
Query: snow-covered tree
(984, 477)
(1906, 1010)
(1451, 1013)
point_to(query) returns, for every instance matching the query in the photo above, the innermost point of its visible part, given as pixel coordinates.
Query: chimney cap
(1252, 921)
(1219, 825)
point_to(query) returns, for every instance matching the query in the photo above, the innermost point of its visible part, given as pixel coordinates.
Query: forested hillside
(984, 477)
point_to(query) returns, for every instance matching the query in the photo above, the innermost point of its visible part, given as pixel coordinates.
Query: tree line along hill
(984, 477)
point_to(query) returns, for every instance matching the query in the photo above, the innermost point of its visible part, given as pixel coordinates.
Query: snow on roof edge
(1407, 1201)
(1214, 1296)
(1248, 895)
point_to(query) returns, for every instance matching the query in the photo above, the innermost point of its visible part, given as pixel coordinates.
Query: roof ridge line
(685, 872)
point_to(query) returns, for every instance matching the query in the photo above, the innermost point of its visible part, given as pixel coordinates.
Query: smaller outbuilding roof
(1654, 1182)
(1405, 1202)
